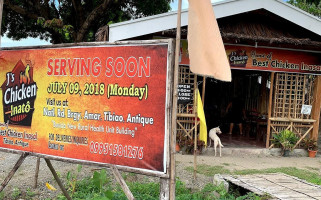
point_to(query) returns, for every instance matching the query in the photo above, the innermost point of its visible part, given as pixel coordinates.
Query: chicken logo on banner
(19, 92)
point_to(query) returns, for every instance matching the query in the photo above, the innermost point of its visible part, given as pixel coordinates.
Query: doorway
(251, 89)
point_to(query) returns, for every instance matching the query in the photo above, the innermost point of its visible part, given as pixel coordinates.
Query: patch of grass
(139, 191)
(226, 164)
(30, 194)
(313, 168)
(303, 174)
(292, 171)
(129, 175)
(2, 195)
(15, 193)
(89, 189)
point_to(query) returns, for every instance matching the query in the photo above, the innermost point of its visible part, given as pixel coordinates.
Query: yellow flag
(201, 116)
(205, 45)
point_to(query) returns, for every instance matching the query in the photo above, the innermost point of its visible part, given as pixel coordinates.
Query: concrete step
(253, 151)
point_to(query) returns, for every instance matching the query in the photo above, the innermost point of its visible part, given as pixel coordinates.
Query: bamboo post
(57, 179)
(174, 111)
(13, 171)
(203, 97)
(122, 183)
(316, 107)
(269, 112)
(37, 172)
(195, 133)
(284, 95)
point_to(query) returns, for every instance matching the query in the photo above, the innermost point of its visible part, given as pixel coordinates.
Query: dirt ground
(253, 161)
(23, 180)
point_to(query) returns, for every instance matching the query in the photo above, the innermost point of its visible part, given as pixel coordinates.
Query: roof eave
(165, 21)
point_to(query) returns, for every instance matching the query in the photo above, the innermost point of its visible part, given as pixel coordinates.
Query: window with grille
(291, 92)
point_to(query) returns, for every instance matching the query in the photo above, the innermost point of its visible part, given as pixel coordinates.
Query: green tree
(311, 6)
(62, 21)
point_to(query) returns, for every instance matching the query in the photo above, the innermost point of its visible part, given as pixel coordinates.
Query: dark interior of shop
(250, 91)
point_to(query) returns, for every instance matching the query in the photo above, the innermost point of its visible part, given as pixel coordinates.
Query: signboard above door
(267, 59)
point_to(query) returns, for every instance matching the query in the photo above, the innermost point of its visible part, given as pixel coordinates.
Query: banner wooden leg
(57, 179)
(13, 171)
(122, 183)
(164, 188)
(37, 172)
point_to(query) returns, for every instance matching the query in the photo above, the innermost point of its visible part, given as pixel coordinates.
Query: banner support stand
(37, 172)
(57, 179)
(13, 171)
(122, 183)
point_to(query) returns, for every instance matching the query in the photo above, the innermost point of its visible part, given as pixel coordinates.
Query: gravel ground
(24, 177)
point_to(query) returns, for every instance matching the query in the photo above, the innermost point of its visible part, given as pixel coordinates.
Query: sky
(7, 42)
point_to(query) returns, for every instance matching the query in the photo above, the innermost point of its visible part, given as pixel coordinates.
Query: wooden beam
(186, 115)
(187, 121)
(13, 171)
(57, 179)
(187, 133)
(122, 183)
(285, 119)
(302, 137)
(316, 107)
(269, 112)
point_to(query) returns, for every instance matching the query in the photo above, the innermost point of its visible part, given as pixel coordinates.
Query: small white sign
(306, 109)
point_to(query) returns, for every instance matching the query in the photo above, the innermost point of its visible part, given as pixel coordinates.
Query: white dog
(213, 136)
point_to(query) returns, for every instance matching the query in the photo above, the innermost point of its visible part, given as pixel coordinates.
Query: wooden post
(174, 111)
(122, 183)
(270, 111)
(203, 90)
(195, 133)
(13, 171)
(37, 172)
(57, 179)
(164, 188)
(263, 94)
(316, 107)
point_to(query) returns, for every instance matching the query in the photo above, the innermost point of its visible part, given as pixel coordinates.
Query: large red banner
(104, 104)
